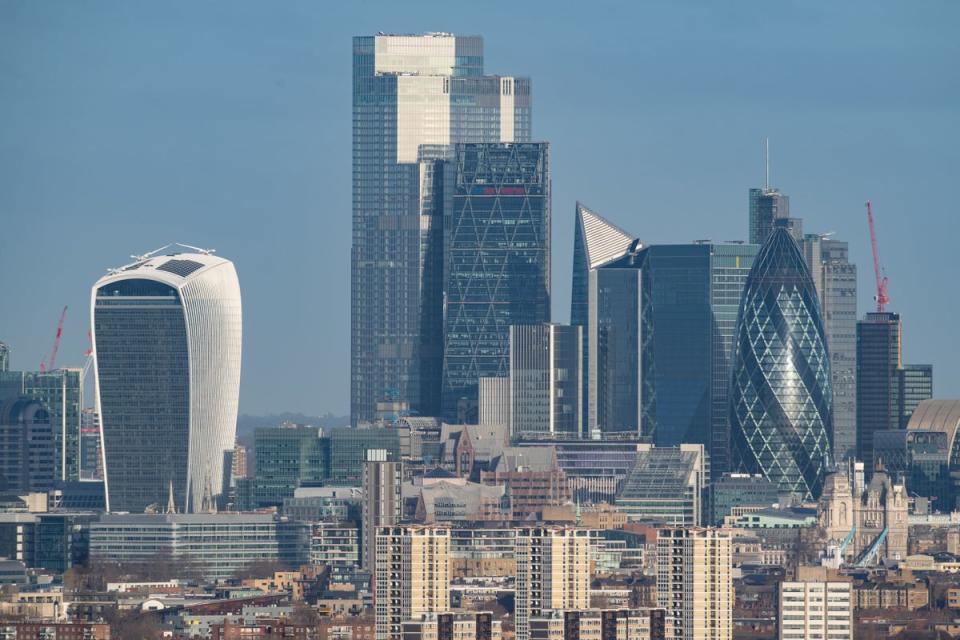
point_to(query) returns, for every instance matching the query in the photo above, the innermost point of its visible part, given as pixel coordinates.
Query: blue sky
(226, 124)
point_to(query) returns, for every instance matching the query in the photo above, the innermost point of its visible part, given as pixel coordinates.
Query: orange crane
(882, 298)
(56, 344)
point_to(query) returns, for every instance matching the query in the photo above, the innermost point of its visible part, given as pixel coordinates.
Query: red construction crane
(56, 344)
(881, 297)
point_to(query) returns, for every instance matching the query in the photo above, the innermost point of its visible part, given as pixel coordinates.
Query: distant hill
(247, 423)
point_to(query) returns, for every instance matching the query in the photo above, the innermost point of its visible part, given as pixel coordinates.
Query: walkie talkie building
(780, 392)
(167, 338)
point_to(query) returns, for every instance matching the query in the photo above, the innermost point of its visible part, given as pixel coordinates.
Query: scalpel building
(167, 339)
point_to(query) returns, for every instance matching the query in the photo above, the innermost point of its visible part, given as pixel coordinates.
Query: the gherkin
(780, 392)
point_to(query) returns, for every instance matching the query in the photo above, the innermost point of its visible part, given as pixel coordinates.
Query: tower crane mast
(56, 344)
(882, 298)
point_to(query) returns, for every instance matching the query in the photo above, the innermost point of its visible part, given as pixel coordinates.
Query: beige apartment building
(694, 583)
(453, 626)
(412, 576)
(553, 572)
(600, 624)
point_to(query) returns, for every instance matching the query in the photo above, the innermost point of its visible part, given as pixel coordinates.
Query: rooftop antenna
(766, 164)
(171, 505)
(205, 252)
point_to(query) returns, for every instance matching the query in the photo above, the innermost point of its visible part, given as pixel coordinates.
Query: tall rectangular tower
(545, 381)
(413, 97)
(836, 281)
(766, 206)
(496, 264)
(695, 583)
(879, 358)
(382, 504)
(412, 576)
(553, 572)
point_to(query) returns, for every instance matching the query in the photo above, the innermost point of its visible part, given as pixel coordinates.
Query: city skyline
(57, 196)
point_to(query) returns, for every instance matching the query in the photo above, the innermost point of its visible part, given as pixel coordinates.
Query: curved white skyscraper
(167, 334)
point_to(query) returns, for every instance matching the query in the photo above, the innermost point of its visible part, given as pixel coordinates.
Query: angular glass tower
(497, 264)
(596, 241)
(166, 339)
(413, 98)
(780, 392)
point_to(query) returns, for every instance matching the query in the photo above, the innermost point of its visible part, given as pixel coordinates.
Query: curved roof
(174, 269)
(937, 415)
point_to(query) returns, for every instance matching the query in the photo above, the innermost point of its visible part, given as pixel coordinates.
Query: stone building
(854, 520)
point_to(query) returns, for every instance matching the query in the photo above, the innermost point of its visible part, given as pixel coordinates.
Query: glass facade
(348, 452)
(614, 388)
(662, 321)
(888, 391)
(26, 445)
(914, 385)
(739, 489)
(666, 486)
(61, 393)
(209, 546)
(413, 97)
(144, 380)
(836, 281)
(545, 381)
(878, 359)
(595, 241)
(497, 264)
(167, 345)
(284, 459)
(766, 206)
(780, 391)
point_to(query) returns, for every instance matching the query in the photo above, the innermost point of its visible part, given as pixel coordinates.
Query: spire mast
(766, 164)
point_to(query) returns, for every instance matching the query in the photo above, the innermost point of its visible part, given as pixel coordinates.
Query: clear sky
(125, 125)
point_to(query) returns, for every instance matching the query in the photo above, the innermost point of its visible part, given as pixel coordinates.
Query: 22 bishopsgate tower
(414, 98)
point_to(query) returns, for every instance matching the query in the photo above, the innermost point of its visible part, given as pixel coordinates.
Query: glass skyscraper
(61, 393)
(691, 296)
(497, 264)
(596, 241)
(545, 365)
(780, 390)
(167, 340)
(836, 281)
(887, 390)
(413, 98)
(767, 205)
(659, 325)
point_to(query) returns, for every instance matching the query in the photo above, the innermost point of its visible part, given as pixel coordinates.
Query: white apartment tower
(815, 610)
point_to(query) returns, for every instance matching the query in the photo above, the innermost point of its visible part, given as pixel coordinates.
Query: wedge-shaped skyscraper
(596, 242)
(780, 392)
(167, 338)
